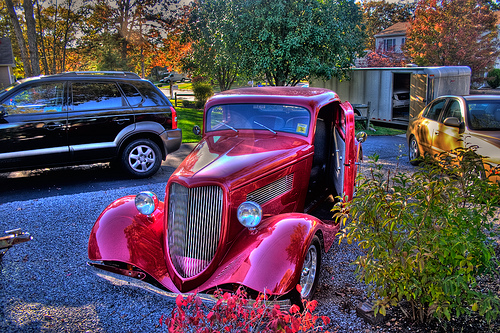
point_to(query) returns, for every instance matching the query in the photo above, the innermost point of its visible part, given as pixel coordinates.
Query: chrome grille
(194, 224)
(272, 190)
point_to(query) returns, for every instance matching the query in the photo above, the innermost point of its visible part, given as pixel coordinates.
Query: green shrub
(202, 91)
(426, 236)
(187, 104)
(493, 78)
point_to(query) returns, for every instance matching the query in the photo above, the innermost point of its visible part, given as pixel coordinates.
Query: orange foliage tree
(385, 59)
(453, 33)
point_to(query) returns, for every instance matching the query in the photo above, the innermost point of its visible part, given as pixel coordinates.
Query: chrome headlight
(146, 202)
(249, 214)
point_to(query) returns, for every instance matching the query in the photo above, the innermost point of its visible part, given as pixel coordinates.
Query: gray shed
(7, 62)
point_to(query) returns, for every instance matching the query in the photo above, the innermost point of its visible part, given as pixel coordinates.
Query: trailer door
(418, 94)
(344, 158)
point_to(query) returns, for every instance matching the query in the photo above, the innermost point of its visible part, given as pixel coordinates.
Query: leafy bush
(234, 313)
(187, 104)
(202, 91)
(493, 78)
(426, 236)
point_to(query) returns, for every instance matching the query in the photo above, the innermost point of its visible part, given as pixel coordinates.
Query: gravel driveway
(46, 285)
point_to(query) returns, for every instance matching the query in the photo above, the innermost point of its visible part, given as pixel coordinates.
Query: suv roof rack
(101, 73)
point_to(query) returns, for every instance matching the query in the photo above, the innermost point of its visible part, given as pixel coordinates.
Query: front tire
(311, 268)
(141, 158)
(413, 152)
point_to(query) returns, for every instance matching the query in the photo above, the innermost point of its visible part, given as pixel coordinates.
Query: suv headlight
(249, 214)
(146, 202)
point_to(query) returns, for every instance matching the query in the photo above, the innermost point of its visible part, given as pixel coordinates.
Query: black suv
(86, 117)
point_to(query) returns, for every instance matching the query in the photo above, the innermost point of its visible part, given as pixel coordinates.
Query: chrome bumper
(128, 279)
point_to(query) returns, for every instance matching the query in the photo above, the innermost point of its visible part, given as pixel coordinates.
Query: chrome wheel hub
(309, 270)
(141, 158)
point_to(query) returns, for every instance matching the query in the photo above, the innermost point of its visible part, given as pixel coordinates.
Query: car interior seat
(320, 151)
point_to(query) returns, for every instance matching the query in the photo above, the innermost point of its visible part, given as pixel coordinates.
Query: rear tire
(141, 158)
(413, 152)
(311, 268)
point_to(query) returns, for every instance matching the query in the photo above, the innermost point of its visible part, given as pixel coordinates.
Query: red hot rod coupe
(245, 206)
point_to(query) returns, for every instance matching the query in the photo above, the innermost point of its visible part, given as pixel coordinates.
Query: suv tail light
(174, 117)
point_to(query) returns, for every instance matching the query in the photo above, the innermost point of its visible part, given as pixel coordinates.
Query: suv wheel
(141, 158)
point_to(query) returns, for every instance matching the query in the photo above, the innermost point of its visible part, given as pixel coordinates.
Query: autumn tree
(385, 59)
(57, 27)
(453, 33)
(125, 34)
(380, 15)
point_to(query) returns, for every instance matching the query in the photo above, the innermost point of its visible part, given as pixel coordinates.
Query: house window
(390, 45)
(403, 41)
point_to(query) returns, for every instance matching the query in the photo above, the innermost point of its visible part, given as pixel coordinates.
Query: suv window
(96, 95)
(151, 96)
(133, 96)
(36, 98)
(434, 110)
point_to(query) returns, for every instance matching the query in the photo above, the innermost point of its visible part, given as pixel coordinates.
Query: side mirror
(361, 137)
(197, 130)
(452, 122)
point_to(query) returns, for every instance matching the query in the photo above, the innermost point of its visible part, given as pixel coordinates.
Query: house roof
(398, 29)
(6, 55)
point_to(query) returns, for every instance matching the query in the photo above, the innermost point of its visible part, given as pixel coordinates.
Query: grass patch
(186, 119)
(185, 85)
(379, 130)
(180, 85)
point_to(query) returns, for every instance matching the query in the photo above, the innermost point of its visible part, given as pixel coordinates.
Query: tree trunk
(20, 38)
(31, 32)
(42, 41)
(66, 34)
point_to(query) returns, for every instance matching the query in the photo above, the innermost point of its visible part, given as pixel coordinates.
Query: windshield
(484, 115)
(270, 117)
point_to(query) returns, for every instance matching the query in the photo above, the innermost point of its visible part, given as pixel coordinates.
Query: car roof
(85, 74)
(473, 97)
(307, 97)
(481, 97)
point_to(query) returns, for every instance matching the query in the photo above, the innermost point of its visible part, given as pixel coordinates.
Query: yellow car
(449, 122)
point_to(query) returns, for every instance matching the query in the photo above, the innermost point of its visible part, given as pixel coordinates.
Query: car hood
(235, 160)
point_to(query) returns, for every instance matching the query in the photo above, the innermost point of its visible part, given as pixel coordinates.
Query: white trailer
(374, 91)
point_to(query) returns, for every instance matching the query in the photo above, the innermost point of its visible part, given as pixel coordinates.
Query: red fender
(122, 234)
(270, 258)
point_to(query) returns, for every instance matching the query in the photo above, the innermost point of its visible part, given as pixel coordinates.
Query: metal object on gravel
(13, 237)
